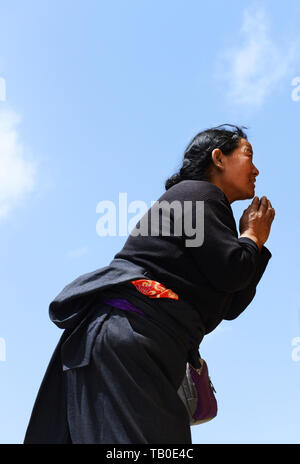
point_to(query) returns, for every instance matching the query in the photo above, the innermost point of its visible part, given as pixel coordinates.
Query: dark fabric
(71, 310)
(128, 392)
(116, 385)
(215, 281)
(169, 345)
(74, 301)
(48, 421)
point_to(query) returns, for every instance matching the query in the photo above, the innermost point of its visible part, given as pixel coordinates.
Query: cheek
(244, 170)
(237, 173)
(239, 176)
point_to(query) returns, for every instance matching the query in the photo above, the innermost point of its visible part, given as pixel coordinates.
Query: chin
(247, 195)
(251, 192)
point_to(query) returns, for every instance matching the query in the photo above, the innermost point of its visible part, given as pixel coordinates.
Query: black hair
(197, 156)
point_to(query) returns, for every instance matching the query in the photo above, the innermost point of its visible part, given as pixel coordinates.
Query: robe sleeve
(243, 298)
(229, 263)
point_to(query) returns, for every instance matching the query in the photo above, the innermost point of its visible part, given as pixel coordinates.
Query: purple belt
(121, 303)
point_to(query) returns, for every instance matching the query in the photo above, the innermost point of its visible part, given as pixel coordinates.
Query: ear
(217, 158)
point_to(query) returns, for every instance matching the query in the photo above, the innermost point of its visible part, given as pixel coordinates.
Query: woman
(130, 328)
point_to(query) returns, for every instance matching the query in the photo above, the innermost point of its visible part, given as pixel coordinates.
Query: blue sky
(98, 98)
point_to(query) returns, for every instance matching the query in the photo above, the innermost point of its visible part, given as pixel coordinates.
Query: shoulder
(194, 190)
(216, 204)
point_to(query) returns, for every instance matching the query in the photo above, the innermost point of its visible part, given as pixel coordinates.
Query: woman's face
(239, 172)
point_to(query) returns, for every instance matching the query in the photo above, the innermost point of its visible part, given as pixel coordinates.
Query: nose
(255, 171)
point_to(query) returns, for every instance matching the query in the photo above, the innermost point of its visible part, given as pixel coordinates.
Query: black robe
(215, 281)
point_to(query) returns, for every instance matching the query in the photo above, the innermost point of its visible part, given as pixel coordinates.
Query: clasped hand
(256, 220)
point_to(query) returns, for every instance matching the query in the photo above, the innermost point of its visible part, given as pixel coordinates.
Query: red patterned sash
(153, 289)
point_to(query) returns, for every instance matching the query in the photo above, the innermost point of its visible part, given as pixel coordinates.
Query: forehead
(244, 145)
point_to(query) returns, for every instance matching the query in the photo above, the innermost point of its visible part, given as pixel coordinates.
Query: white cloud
(2, 89)
(77, 252)
(2, 349)
(17, 175)
(256, 67)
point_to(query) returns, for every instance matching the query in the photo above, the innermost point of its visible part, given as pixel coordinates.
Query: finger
(271, 214)
(270, 207)
(263, 204)
(255, 203)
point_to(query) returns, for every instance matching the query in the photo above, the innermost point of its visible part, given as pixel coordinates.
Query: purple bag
(197, 394)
